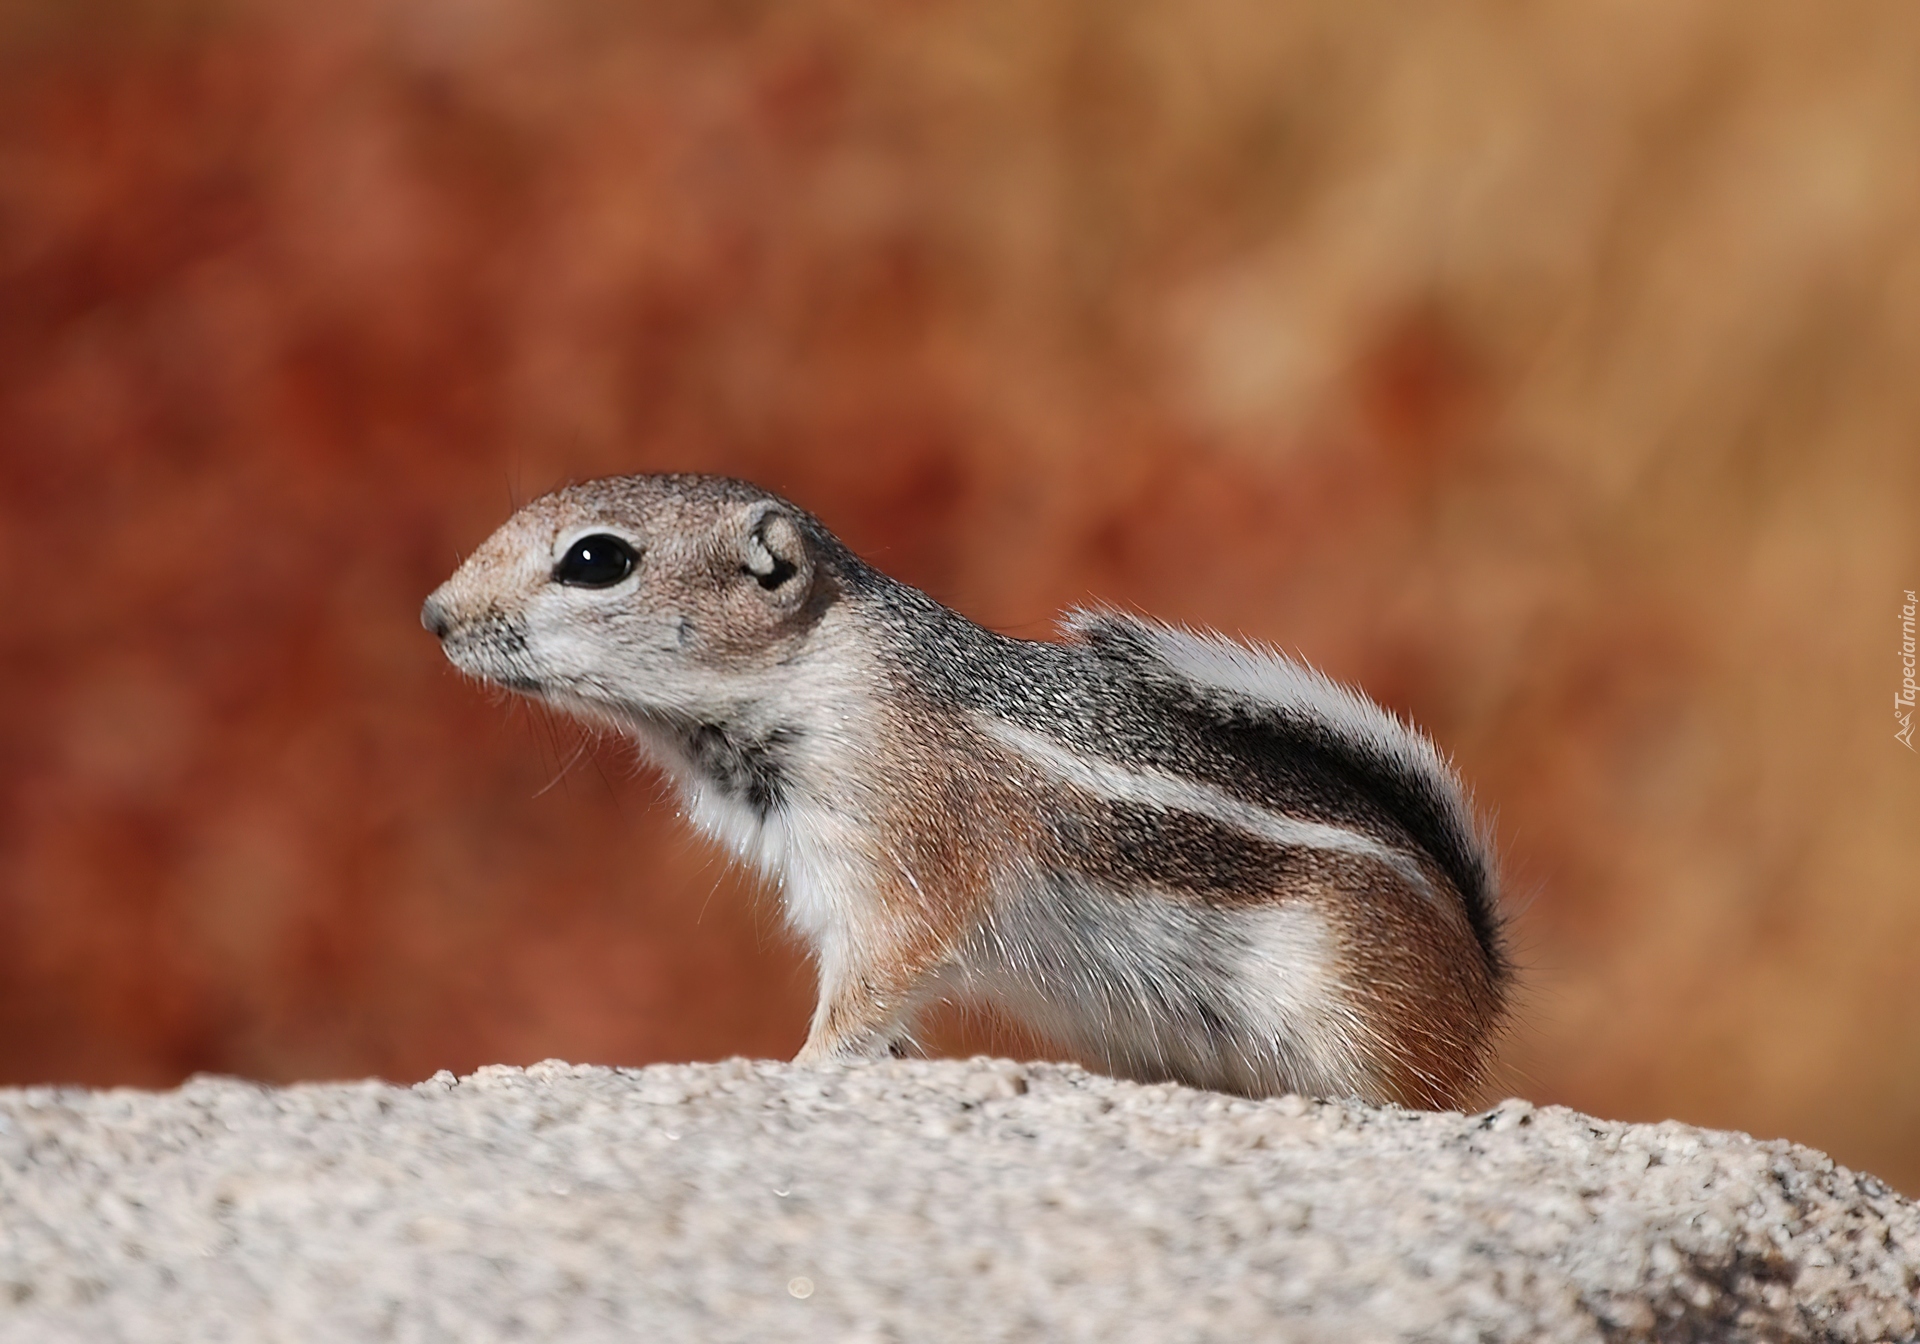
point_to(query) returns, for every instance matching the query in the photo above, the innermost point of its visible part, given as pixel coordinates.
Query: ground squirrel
(1178, 856)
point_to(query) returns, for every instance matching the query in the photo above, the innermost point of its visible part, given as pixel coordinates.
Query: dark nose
(434, 617)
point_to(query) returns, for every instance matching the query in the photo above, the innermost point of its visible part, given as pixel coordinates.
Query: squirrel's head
(635, 597)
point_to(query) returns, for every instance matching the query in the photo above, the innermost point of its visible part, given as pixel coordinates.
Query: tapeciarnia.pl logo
(1903, 698)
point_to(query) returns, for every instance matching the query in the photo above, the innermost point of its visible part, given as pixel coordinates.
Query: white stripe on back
(1152, 787)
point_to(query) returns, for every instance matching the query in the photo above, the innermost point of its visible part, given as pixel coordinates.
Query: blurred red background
(1550, 373)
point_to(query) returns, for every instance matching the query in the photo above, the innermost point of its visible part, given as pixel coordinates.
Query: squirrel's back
(1264, 809)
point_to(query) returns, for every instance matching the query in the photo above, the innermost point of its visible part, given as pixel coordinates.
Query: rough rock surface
(977, 1200)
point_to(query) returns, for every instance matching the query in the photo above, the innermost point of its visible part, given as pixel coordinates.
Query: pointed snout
(434, 615)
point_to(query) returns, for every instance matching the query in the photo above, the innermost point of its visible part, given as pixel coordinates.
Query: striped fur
(1178, 856)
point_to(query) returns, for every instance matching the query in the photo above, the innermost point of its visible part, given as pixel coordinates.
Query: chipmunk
(1180, 857)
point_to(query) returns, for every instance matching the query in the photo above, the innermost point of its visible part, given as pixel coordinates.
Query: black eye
(598, 561)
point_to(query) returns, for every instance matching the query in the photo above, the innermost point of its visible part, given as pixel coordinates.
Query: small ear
(774, 551)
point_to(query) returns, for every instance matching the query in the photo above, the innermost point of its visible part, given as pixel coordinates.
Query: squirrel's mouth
(494, 649)
(486, 663)
(523, 685)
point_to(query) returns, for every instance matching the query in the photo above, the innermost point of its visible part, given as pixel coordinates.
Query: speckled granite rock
(975, 1200)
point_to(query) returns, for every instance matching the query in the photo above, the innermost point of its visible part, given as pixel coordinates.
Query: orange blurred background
(1550, 373)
